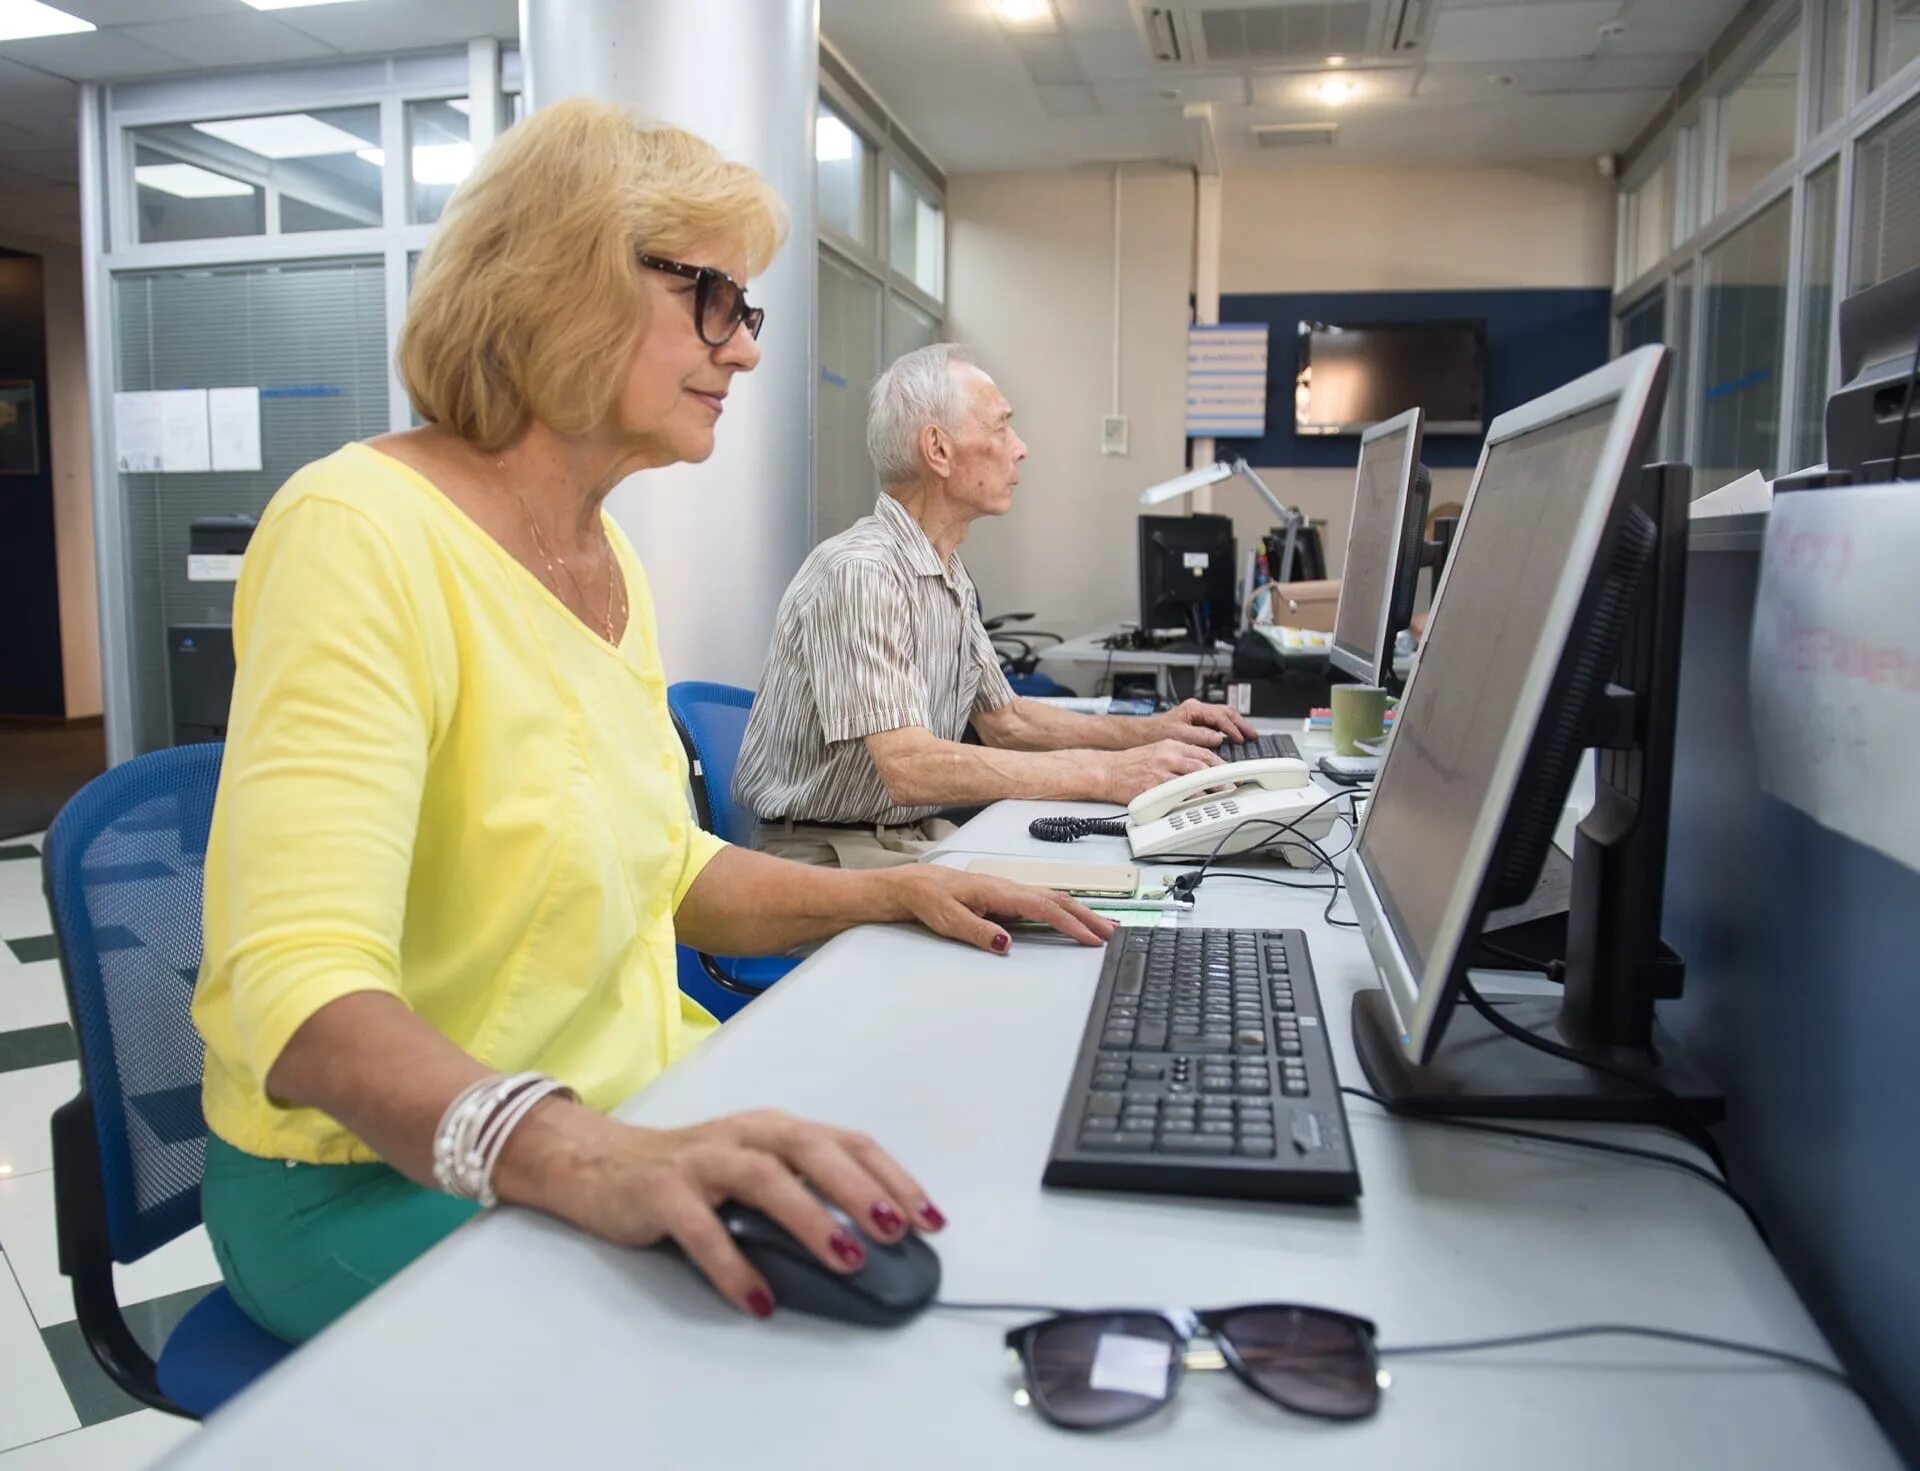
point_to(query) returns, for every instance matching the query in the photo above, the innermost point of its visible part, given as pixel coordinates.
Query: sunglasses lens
(1314, 1362)
(1096, 1372)
(723, 310)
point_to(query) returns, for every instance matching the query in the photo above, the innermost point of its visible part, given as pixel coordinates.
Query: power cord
(1574, 1141)
(1553, 970)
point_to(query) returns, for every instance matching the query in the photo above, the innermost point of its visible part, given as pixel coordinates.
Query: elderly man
(879, 659)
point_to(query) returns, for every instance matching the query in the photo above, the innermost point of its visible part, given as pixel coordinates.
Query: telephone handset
(1191, 813)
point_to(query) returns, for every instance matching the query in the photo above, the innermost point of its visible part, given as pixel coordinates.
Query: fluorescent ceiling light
(1029, 14)
(433, 163)
(283, 135)
(289, 4)
(832, 139)
(189, 182)
(1336, 90)
(22, 19)
(460, 105)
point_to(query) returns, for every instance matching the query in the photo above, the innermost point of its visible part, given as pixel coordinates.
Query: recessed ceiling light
(832, 139)
(188, 181)
(21, 19)
(289, 4)
(283, 135)
(1335, 90)
(1336, 61)
(433, 163)
(1033, 15)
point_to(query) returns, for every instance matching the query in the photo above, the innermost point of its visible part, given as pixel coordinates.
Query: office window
(321, 170)
(313, 337)
(1744, 342)
(1644, 322)
(917, 239)
(439, 155)
(1831, 105)
(1896, 36)
(1650, 221)
(1886, 200)
(907, 327)
(1673, 423)
(1818, 248)
(1758, 118)
(844, 483)
(843, 176)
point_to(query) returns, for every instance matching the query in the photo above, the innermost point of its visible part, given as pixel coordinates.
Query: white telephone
(1191, 813)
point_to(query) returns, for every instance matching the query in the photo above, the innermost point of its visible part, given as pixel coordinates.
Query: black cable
(1575, 1141)
(1553, 970)
(1684, 1119)
(1906, 411)
(1069, 829)
(1624, 1330)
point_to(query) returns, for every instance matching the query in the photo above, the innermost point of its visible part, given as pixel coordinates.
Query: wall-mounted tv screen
(1354, 375)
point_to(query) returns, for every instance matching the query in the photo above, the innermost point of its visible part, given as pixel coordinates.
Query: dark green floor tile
(37, 1047)
(95, 1397)
(37, 947)
(18, 850)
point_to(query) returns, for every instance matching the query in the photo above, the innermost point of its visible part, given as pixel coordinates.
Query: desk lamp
(1225, 470)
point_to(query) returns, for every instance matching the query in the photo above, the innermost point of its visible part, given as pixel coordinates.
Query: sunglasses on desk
(1102, 1370)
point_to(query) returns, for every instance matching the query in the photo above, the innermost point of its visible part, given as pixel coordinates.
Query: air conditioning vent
(1166, 35)
(1223, 35)
(1294, 135)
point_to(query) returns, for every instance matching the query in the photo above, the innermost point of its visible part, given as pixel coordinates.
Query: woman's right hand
(638, 1187)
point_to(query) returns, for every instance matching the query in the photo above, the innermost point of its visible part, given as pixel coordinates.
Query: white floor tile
(23, 915)
(35, 1403)
(27, 1237)
(133, 1440)
(31, 995)
(28, 1098)
(19, 875)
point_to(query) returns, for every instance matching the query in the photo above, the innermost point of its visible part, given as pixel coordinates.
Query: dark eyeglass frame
(706, 281)
(1214, 1323)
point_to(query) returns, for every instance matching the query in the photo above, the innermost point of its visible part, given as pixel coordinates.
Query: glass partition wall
(1787, 177)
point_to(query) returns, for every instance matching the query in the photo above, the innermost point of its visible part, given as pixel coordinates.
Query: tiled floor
(57, 1409)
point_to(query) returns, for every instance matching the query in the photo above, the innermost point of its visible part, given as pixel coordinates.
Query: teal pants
(300, 1244)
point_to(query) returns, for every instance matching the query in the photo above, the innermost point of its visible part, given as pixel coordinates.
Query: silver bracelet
(475, 1128)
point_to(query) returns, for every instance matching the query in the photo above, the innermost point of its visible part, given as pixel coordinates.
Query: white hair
(917, 390)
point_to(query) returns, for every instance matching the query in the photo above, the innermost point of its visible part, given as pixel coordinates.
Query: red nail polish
(887, 1218)
(760, 1302)
(846, 1248)
(1001, 941)
(930, 1213)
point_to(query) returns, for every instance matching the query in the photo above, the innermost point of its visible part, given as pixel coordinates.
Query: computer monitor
(1879, 332)
(1556, 629)
(1382, 570)
(1187, 576)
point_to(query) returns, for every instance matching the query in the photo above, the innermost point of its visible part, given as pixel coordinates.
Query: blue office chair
(711, 720)
(123, 868)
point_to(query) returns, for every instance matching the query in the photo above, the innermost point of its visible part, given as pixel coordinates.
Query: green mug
(1359, 714)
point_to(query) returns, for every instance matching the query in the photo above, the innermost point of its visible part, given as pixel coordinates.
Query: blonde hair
(527, 300)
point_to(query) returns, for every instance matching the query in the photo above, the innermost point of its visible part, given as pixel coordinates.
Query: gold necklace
(551, 559)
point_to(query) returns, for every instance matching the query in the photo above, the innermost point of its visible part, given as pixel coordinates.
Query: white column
(720, 540)
(1206, 295)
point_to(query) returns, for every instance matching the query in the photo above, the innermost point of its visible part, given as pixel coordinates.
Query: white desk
(519, 1343)
(1092, 660)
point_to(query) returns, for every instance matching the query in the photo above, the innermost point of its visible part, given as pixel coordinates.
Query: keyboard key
(1099, 1138)
(1196, 1143)
(1103, 1105)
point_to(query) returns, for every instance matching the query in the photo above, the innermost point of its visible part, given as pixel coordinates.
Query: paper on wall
(1835, 665)
(184, 446)
(136, 433)
(233, 425)
(1752, 492)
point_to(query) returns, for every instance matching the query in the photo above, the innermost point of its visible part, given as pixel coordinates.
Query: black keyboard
(1205, 1070)
(1263, 749)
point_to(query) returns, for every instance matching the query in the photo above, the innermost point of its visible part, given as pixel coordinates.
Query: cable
(1068, 829)
(1553, 970)
(1906, 412)
(1685, 1121)
(1575, 1141)
(1624, 1330)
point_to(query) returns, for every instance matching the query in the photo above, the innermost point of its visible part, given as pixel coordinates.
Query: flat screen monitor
(1187, 575)
(1499, 708)
(1382, 569)
(1354, 375)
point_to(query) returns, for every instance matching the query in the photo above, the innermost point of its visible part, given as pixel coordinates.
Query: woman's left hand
(966, 906)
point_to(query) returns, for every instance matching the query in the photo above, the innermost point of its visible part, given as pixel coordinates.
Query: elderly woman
(451, 855)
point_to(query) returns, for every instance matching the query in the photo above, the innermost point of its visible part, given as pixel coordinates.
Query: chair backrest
(124, 864)
(712, 721)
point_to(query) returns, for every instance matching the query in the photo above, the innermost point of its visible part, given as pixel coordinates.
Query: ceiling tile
(93, 56)
(36, 103)
(49, 165)
(403, 25)
(232, 40)
(1111, 56)
(1538, 32)
(134, 12)
(1067, 99)
(1131, 96)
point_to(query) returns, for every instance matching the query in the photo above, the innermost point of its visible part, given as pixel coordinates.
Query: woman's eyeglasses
(719, 305)
(1099, 1371)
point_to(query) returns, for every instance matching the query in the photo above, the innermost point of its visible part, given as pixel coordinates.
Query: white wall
(1030, 288)
(72, 458)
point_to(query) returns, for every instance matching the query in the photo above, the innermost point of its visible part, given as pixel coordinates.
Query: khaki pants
(850, 847)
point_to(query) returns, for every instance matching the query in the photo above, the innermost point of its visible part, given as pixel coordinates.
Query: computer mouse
(896, 1282)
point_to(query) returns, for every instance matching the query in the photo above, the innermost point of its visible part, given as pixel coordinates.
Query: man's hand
(1129, 773)
(1201, 724)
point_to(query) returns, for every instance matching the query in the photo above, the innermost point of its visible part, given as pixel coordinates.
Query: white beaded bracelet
(475, 1128)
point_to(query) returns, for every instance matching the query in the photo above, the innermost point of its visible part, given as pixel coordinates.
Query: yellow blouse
(438, 784)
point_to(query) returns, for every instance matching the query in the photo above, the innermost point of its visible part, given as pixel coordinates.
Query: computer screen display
(1480, 649)
(1376, 584)
(1353, 375)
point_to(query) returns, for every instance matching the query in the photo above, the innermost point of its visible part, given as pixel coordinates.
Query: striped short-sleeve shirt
(876, 633)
